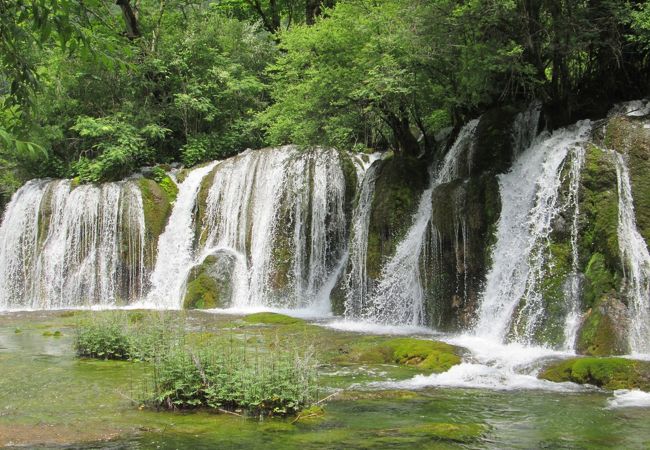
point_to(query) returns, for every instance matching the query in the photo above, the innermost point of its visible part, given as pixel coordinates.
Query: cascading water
(280, 212)
(529, 196)
(399, 297)
(175, 253)
(86, 246)
(636, 262)
(572, 291)
(357, 278)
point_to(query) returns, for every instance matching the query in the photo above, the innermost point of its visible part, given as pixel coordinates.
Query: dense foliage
(96, 90)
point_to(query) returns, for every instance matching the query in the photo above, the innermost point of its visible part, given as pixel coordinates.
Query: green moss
(602, 331)
(270, 318)
(608, 373)
(56, 333)
(455, 432)
(599, 280)
(157, 208)
(426, 355)
(209, 284)
(629, 136)
(599, 208)
(201, 293)
(170, 188)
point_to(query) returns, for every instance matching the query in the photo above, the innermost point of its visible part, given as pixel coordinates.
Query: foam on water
(491, 365)
(362, 326)
(629, 399)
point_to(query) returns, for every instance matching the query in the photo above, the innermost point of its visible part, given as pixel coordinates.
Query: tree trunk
(130, 20)
(405, 142)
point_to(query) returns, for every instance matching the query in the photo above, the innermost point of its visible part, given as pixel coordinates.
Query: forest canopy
(98, 89)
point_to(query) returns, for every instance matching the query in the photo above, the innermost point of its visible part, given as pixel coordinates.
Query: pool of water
(50, 399)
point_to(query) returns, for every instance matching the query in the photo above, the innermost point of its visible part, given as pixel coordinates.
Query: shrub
(226, 375)
(135, 336)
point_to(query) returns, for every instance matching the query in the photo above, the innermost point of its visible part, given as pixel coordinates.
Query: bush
(226, 375)
(119, 335)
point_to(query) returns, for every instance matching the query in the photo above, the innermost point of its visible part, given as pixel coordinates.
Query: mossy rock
(608, 373)
(270, 318)
(464, 214)
(603, 331)
(209, 285)
(430, 356)
(599, 209)
(629, 136)
(157, 208)
(400, 183)
(599, 280)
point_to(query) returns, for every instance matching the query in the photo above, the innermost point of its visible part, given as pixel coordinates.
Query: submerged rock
(433, 356)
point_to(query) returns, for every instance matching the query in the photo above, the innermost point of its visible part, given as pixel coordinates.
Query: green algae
(431, 356)
(270, 318)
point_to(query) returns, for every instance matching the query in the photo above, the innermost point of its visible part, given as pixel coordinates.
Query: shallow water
(48, 399)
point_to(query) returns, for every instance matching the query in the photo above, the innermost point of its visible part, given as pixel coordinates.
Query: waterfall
(175, 255)
(86, 246)
(529, 198)
(636, 262)
(357, 279)
(524, 128)
(399, 296)
(18, 240)
(573, 285)
(281, 211)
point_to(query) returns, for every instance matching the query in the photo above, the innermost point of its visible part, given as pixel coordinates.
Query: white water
(572, 290)
(491, 366)
(529, 195)
(399, 296)
(175, 253)
(636, 262)
(281, 211)
(357, 277)
(524, 128)
(86, 246)
(629, 399)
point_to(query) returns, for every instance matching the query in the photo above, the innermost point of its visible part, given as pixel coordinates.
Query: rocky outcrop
(210, 285)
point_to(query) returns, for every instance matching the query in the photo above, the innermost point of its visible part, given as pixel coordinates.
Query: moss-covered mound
(209, 285)
(270, 318)
(608, 373)
(426, 355)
